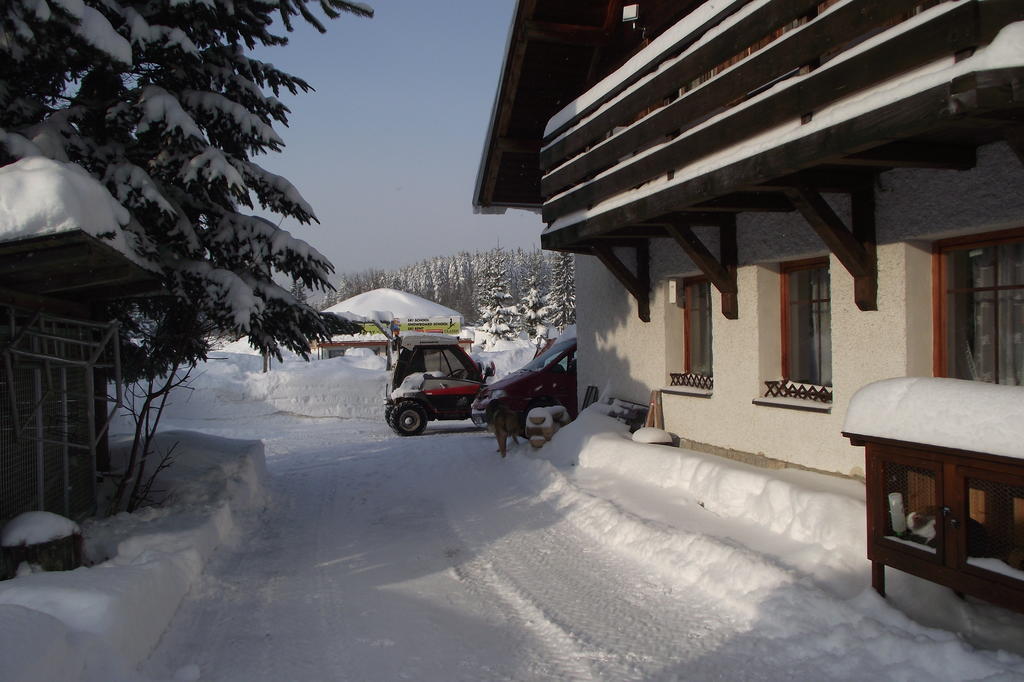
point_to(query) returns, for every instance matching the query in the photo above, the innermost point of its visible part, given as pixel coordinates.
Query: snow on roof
(648, 58)
(1006, 50)
(395, 303)
(40, 196)
(950, 413)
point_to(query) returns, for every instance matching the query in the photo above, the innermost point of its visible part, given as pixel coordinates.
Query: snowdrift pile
(234, 385)
(630, 494)
(96, 624)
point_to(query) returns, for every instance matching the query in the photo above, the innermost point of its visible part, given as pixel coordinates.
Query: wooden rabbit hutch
(951, 515)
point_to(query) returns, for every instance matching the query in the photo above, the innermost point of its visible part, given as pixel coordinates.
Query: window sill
(687, 391)
(795, 404)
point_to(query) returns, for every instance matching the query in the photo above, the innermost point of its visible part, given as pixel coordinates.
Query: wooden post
(878, 577)
(655, 415)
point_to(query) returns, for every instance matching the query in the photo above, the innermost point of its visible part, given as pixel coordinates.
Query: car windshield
(550, 355)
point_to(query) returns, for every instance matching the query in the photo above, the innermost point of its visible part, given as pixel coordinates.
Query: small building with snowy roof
(64, 250)
(391, 310)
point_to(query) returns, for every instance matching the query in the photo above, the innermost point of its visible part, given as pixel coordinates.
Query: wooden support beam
(862, 210)
(729, 253)
(857, 256)
(907, 154)
(639, 285)
(721, 272)
(643, 274)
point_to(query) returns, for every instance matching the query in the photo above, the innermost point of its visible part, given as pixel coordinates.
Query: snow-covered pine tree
(298, 291)
(562, 295)
(497, 312)
(162, 103)
(533, 309)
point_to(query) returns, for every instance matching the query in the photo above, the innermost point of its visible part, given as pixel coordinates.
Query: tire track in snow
(561, 658)
(604, 616)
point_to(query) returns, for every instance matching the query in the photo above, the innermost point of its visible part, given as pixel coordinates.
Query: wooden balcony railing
(761, 67)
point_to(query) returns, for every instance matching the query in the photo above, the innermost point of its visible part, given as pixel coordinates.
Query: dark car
(548, 379)
(433, 379)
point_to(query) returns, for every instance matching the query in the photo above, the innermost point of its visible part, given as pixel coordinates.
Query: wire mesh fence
(51, 414)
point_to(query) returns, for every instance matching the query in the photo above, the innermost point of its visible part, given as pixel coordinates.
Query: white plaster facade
(627, 358)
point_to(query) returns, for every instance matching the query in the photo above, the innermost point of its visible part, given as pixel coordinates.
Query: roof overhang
(552, 49)
(69, 269)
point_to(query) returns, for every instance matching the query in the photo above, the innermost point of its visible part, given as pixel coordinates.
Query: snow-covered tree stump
(38, 538)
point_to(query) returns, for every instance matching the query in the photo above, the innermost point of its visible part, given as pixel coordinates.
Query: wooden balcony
(764, 106)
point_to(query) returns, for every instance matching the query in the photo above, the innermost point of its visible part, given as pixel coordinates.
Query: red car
(548, 379)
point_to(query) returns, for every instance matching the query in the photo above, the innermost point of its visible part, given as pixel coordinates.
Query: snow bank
(42, 647)
(234, 384)
(768, 540)
(81, 624)
(507, 356)
(780, 502)
(935, 411)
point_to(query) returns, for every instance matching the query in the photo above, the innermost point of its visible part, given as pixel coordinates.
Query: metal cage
(54, 410)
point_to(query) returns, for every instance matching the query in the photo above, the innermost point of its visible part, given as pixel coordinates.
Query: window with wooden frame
(697, 326)
(806, 332)
(979, 316)
(695, 300)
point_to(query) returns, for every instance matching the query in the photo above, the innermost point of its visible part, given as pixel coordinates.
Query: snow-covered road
(385, 558)
(431, 558)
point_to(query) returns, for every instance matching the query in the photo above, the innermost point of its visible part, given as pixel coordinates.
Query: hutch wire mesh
(995, 527)
(911, 495)
(54, 410)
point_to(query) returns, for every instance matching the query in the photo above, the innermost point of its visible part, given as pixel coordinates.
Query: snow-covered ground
(361, 555)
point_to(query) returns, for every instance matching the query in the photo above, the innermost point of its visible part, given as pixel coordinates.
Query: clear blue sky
(387, 148)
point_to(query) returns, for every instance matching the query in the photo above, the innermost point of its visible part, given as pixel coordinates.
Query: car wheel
(389, 416)
(409, 419)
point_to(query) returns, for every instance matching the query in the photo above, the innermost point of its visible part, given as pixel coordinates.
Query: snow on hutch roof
(41, 197)
(949, 413)
(399, 304)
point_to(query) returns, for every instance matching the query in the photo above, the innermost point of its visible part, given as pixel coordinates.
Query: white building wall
(618, 353)
(627, 358)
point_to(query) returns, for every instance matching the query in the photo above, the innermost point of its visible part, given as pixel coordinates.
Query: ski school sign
(431, 325)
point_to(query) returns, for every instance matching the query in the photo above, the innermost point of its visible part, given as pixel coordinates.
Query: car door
(451, 389)
(562, 380)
